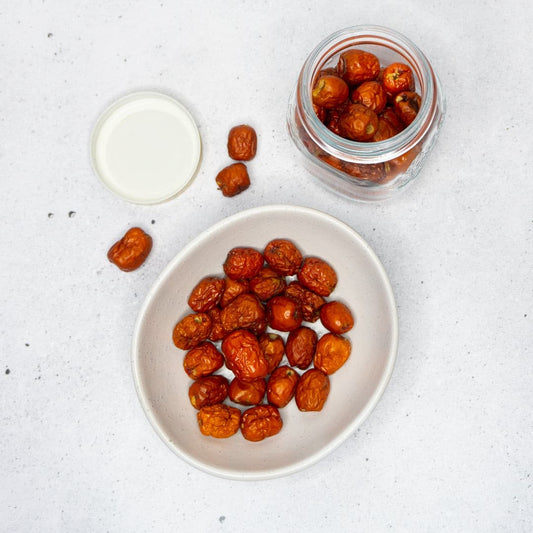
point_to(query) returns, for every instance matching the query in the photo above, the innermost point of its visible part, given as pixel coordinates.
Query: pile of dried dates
(239, 320)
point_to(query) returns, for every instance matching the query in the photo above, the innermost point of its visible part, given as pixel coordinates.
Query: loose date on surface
(256, 321)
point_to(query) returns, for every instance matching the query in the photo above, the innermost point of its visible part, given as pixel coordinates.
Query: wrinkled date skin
(273, 349)
(202, 360)
(233, 179)
(332, 351)
(330, 91)
(260, 422)
(369, 172)
(312, 390)
(267, 284)
(247, 392)
(393, 119)
(217, 332)
(356, 66)
(318, 276)
(245, 312)
(192, 330)
(283, 257)
(242, 143)
(243, 263)
(300, 347)
(336, 317)
(219, 420)
(233, 288)
(358, 123)
(281, 386)
(309, 302)
(206, 294)
(283, 313)
(384, 131)
(131, 251)
(406, 105)
(208, 390)
(398, 77)
(372, 95)
(244, 356)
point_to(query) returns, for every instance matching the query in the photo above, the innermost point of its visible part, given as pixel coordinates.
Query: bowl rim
(350, 428)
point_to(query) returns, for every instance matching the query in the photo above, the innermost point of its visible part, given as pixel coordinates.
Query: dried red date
(219, 420)
(192, 330)
(244, 356)
(242, 143)
(243, 263)
(283, 313)
(208, 390)
(206, 294)
(247, 392)
(301, 346)
(260, 422)
(318, 276)
(283, 257)
(131, 251)
(202, 360)
(281, 386)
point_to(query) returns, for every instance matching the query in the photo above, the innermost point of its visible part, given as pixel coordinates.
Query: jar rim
(376, 36)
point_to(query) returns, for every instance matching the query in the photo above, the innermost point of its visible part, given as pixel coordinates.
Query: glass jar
(366, 170)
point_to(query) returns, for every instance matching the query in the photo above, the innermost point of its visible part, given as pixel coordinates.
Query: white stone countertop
(449, 446)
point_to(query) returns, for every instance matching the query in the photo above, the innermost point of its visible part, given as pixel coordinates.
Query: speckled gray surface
(448, 447)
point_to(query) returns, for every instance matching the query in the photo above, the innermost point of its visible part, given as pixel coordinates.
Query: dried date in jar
(336, 317)
(273, 349)
(281, 386)
(330, 91)
(191, 330)
(318, 276)
(233, 179)
(243, 263)
(332, 351)
(356, 66)
(242, 143)
(312, 390)
(398, 77)
(260, 422)
(244, 356)
(130, 252)
(245, 312)
(283, 313)
(267, 284)
(247, 392)
(283, 256)
(406, 106)
(219, 420)
(208, 390)
(301, 346)
(371, 94)
(358, 123)
(206, 294)
(202, 360)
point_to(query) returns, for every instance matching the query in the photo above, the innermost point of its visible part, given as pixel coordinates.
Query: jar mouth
(376, 36)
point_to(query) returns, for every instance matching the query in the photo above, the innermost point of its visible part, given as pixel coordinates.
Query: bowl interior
(162, 384)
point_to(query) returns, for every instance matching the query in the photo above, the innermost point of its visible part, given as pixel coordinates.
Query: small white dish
(146, 147)
(162, 384)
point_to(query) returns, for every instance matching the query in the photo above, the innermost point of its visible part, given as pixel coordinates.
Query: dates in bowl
(300, 434)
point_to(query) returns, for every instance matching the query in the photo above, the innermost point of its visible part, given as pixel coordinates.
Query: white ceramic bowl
(162, 384)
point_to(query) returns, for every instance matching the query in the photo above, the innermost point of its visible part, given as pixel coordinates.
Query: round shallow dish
(146, 147)
(162, 384)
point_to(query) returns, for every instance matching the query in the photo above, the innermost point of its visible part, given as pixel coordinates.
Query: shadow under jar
(366, 170)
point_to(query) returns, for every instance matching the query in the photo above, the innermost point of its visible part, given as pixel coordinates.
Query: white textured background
(449, 447)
